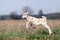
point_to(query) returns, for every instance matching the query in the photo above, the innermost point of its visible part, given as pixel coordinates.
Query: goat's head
(25, 15)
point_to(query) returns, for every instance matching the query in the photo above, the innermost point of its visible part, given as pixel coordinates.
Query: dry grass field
(14, 25)
(17, 24)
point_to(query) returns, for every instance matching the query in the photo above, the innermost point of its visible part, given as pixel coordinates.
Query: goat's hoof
(51, 34)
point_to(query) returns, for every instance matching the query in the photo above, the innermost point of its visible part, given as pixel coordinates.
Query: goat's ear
(27, 12)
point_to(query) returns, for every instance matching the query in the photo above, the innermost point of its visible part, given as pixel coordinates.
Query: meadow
(16, 30)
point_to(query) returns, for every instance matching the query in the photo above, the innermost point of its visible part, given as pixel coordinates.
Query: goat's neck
(27, 17)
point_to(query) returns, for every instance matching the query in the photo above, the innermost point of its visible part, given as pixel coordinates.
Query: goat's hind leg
(46, 26)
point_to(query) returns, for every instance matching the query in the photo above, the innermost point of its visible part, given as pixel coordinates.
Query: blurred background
(12, 9)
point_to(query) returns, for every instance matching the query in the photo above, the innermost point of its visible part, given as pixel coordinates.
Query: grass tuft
(38, 34)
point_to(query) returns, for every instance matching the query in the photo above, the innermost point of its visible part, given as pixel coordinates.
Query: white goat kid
(36, 21)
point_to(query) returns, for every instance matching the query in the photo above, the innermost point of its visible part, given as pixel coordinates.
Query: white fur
(36, 21)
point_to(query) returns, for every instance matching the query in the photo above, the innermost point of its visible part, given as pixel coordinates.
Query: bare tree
(40, 13)
(27, 8)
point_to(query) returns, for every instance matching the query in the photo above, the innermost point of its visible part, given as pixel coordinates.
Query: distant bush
(53, 16)
(14, 15)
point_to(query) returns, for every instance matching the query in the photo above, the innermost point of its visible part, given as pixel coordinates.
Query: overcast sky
(48, 6)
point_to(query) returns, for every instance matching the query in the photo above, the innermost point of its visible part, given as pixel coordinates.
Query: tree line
(13, 15)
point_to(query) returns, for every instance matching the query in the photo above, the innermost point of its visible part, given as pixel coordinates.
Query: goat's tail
(45, 19)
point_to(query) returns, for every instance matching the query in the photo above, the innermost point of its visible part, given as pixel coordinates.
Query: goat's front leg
(27, 24)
